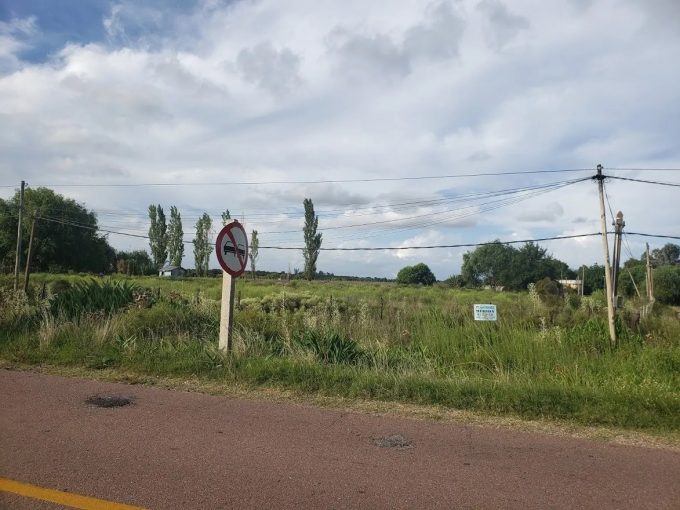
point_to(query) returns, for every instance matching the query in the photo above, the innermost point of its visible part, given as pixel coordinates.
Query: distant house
(571, 284)
(172, 271)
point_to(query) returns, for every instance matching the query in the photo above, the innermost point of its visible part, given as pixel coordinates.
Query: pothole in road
(394, 441)
(108, 401)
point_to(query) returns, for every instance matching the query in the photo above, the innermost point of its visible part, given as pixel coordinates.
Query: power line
(675, 184)
(462, 245)
(642, 169)
(322, 181)
(504, 201)
(653, 235)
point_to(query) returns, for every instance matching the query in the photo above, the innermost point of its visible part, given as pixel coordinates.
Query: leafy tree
(312, 239)
(666, 256)
(226, 216)
(418, 274)
(254, 250)
(202, 245)
(66, 235)
(638, 273)
(667, 285)
(499, 264)
(490, 264)
(158, 235)
(175, 238)
(135, 262)
(594, 278)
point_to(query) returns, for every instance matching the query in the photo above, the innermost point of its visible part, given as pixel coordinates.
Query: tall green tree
(202, 245)
(254, 250)
(66, 234)
(666, 256)
(312, 239)
(175, 237)
(158, 235)
(593, 277)
(135, 262)
(226, 217)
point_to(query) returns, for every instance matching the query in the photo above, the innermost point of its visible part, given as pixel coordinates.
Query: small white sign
(485, 312)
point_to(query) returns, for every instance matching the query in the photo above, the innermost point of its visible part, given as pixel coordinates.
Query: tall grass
(379, 341)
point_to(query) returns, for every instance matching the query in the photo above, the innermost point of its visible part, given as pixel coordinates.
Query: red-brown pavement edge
(181, 450)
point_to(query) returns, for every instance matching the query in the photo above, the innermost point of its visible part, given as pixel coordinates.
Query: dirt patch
(108, 401)
(395, 441)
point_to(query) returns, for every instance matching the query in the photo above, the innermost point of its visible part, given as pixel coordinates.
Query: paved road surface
(179, 450)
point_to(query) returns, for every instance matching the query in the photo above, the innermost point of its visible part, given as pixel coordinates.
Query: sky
(205, 94)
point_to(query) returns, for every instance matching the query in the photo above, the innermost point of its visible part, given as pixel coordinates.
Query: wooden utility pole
(583, 281)
(650, 278)
(605, 248)
(618, 232)
(28, 256)
(17, 260)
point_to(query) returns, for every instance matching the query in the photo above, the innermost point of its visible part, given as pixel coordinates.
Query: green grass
(375, 341)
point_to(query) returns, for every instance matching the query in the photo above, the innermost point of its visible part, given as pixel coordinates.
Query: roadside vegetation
(548, 356)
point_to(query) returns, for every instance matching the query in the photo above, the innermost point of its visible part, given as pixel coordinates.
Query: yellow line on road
(62, 498)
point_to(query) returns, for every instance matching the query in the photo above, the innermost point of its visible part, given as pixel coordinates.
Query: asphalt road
(174, 449)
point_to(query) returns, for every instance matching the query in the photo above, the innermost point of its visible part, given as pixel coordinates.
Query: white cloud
(310, 90)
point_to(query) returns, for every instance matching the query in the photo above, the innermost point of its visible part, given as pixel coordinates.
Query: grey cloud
(550, 213)
(580, 219)
(274, 71)
(369, 55)
(438, 37)
(378, 55)
(504, 25)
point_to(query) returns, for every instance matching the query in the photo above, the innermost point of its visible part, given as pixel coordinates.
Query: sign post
(231, 249)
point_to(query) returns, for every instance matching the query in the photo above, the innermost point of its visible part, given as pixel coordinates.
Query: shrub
(549, 291)
(92, 296)
(330, 347)
(58, 286)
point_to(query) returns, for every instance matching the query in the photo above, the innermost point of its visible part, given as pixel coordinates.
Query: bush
(549, 291)
(330, 347)
(92, 296)
(58, 286)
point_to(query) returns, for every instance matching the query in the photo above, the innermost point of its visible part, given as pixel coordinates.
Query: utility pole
(618, 232)
(647, 309)
(583, 281)
(605, 248)
(650, 278)
(17, 260)
(28, 256)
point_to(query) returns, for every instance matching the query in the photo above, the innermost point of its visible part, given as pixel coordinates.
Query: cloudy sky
(206, 93)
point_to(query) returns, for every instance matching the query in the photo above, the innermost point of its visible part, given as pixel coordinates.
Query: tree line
(67, 238)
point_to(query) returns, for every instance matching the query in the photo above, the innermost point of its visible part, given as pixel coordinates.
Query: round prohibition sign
(232, 248)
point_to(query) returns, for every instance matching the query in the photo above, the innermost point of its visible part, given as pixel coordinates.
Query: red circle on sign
(232, 255)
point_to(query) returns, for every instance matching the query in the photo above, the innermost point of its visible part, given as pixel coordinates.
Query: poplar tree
(312, 239)
(158, 235)
(175, 238)
(202, 245)
(226, 216)
(254, 250)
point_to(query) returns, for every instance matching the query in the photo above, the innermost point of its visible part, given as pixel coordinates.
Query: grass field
(370, 340)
